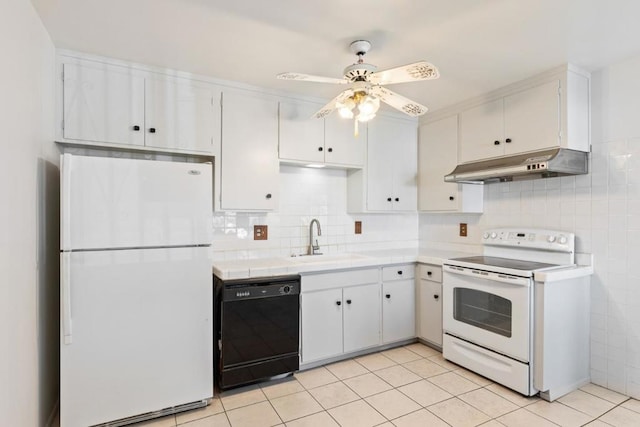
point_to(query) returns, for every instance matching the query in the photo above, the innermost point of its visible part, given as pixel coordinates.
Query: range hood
(539, 164)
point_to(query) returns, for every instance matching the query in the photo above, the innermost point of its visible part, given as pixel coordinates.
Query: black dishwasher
(256, 330)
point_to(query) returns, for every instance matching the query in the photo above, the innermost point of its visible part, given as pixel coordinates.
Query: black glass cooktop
(514, 264)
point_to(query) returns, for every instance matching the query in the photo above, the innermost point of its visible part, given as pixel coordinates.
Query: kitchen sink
(310, 259)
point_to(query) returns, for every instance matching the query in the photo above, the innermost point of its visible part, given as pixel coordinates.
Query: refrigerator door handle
(65, 202)
(65, 300)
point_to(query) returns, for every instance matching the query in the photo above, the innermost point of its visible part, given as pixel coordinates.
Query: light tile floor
(403, 387)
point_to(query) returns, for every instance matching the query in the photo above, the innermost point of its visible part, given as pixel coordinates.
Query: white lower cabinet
(321, 324)
(429, 295)
(342, 319)
(398, 303)
(361, 317)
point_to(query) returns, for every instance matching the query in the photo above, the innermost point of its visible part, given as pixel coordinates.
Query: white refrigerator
(136, 288)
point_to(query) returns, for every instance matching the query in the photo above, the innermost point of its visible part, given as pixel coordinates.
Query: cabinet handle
(397, 199)
(400, 272)
(136, 128)
(388, 199)
(268, 196)
(451, 198)
(152, 130)
(496, 142)
(429, 273)
(330, 150)
(508, 140)
(388, 296)
(338, 302)
(436, 296)
(348, 301)
(320, 148)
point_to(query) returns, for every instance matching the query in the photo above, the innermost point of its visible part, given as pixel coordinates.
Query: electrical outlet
(463, 229)
(260, 232)
(358, 227)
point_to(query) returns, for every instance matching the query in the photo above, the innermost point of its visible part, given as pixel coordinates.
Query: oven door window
(483, 310)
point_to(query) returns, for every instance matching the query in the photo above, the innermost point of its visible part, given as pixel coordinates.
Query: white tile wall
(306, 194)
(602, 208)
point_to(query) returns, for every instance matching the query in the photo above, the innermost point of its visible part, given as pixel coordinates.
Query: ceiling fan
(362, 100)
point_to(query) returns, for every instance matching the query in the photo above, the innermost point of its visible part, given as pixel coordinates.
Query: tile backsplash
(305, 194)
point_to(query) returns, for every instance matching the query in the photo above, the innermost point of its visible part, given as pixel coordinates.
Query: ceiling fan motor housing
(359, 72)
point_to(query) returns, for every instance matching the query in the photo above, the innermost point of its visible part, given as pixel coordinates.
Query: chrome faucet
(313, 248)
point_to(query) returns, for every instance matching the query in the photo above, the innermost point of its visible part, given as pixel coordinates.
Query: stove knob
(494, 235)
(485, 235)
(551, 239)
(562, 240)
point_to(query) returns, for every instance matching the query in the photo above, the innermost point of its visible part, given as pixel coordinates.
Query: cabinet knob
(152, 130)
(320, 148)
(388, 199)
(330, 150)
(429, 273)
(348, 301)
(400, 272)
(496, 142)
(436, 296)
(338, 302)
(268, 196)
(136, 128)
(451, 198)
(397, 199)
(508, 140)
(388, 296)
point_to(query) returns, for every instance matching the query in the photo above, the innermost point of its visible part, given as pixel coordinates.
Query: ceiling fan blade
(407, 73)
(398, 102)
(331, 105)
(310, 78)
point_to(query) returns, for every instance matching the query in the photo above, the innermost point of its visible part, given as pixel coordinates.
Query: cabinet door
(380, 164)
(437, 158)
(341, 145)
(180, 115)
(249, 164)
(301, 136)
(430, 311)
(361, 317)
(480, 128)
(398, 310)
(321, 324)
(103, 104)
(532, 118)
(405, 166)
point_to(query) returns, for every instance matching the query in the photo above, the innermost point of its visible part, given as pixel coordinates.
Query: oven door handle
(488, 275)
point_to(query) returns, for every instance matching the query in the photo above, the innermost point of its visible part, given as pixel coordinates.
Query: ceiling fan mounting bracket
(360, 47)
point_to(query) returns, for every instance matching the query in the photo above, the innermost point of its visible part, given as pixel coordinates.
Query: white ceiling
(478, 45)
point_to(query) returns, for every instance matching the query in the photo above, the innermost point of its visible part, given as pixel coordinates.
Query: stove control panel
(541, 239)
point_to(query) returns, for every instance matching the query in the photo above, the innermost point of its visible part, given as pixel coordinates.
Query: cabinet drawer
(399, 272)
(340, 279)
(431, 272)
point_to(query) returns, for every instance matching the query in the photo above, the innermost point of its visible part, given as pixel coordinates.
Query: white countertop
(262, 267)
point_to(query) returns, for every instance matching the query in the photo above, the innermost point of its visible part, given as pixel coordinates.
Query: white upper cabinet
(250, 168)
(183, 115)
(547, 111)
(437, 157)
(107, 104)
(304, 139)
(389, 180)
(342, 146)
(103, 104)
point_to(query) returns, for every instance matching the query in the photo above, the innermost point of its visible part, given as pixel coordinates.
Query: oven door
(491, 310)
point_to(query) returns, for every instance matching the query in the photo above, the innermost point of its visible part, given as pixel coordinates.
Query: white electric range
(502, 323)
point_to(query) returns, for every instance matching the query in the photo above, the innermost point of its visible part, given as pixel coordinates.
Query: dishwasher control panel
(237, 290)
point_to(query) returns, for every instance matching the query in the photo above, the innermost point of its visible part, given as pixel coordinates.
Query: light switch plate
(463, 229)
(260, 232)
(358, 227)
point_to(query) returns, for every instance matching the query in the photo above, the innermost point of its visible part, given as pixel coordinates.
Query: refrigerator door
(130, 203)
(142, 337)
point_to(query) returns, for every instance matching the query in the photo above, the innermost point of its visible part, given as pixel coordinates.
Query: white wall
(28, 220)
(306, 194)
(602, 208)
